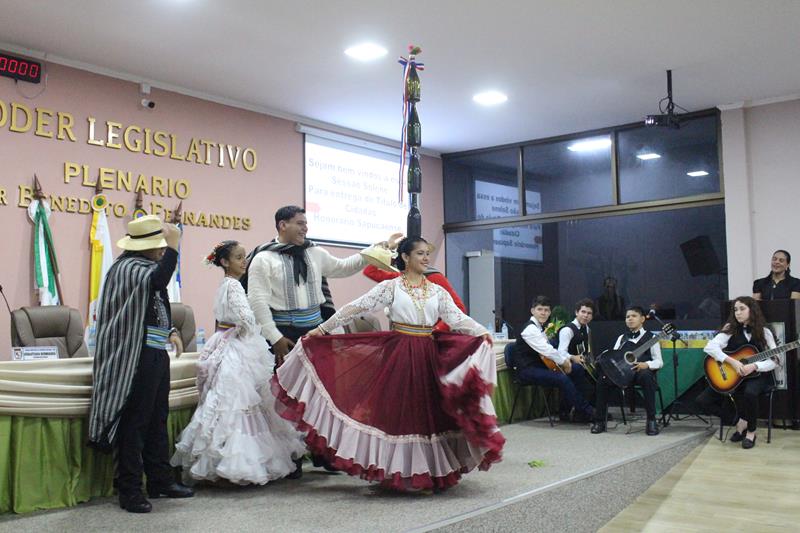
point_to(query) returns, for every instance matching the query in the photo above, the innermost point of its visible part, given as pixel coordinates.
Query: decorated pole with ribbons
(411, 140)
(174, 287)
(45, 266)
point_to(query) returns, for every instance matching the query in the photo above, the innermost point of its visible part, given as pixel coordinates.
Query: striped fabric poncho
(120, 334)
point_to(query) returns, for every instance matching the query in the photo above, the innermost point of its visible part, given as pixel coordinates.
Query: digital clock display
(20, 68)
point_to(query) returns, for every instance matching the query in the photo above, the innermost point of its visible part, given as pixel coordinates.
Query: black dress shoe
(175, 490)
(298, 470)
(598, 427)
(135, 503)
(737, 437)
(747, 443)
(318, 460)
(652, 427)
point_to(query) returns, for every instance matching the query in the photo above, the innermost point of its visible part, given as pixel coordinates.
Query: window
(571, 174)
(659, 163)
(481, 185)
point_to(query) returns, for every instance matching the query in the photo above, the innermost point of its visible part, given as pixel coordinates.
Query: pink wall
(277, 181)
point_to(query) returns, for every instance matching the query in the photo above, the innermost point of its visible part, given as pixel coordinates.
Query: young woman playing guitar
(745, 326)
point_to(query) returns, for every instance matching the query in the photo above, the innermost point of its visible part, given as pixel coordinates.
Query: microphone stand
(672, 411)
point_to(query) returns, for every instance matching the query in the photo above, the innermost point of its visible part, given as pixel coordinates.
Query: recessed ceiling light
(489, 98)
(366, 51)
(590, 145)
(647, 157)
(697, 173)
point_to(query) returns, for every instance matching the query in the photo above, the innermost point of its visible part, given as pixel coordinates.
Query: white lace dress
(235, 432)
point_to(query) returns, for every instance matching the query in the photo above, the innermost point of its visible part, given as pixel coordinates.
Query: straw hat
(144, 233)
(380, 257)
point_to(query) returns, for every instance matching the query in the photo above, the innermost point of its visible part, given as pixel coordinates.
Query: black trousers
(644, 378)
(142, 434)
(293, 333)
(746, 398)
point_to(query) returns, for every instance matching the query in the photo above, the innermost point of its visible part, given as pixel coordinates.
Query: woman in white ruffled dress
(235, 432)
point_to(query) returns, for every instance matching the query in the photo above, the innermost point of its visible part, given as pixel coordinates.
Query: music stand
(671, 412)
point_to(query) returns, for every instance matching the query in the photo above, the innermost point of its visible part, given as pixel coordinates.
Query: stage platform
(584, 480)
(721, 487)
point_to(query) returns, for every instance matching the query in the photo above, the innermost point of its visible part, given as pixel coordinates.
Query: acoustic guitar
(724, 379)
(618, 365)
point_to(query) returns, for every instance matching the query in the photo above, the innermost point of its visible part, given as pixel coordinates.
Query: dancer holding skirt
(409, 407)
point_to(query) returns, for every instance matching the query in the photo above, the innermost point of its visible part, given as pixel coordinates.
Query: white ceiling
(566, 65)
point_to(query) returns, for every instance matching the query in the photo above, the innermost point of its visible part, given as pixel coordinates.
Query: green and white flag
(45, 267)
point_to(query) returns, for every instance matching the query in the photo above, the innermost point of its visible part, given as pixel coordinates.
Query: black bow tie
(583, 330)
(747, 329)
(633, 334)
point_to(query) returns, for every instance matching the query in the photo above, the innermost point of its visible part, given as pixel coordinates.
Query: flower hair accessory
(210, 258)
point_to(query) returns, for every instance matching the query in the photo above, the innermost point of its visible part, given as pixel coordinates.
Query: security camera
(149, 104)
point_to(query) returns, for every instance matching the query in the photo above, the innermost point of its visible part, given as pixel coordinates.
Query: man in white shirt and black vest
(539, 363)
(574, 340)
(645, 368)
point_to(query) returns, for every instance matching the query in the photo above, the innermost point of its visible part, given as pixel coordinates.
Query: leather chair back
(55, 325)
(183, 320)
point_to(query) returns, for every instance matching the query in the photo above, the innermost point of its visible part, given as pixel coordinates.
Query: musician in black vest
(532, 347)
(745, 325)
(645, 376)
(574, 342)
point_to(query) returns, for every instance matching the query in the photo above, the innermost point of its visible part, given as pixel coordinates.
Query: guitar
(724, 379)
(618, 365)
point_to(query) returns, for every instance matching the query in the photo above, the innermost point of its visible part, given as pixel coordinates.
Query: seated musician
(532, 353)
(745, 325)
(644, 375)
(574, 342)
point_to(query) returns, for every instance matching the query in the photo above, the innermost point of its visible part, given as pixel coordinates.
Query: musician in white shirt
(745, 326)
(645, 368)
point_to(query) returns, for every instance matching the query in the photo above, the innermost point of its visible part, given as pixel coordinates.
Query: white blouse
(717, 344)
(425, 308)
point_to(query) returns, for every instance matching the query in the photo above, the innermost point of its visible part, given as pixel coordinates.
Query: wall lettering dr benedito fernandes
(83, 206)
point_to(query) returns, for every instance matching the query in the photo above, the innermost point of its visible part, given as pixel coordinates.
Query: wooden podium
(784, 318)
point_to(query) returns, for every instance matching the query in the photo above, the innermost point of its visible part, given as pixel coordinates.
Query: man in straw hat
(130, 394)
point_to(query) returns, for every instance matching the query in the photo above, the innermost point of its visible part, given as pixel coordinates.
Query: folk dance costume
(434, 276)
(235, 432)
(529, 350)
(286, 283)
(407, 407)
(748, 392)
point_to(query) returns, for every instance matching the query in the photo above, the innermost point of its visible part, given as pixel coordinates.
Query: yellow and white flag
(102, 257)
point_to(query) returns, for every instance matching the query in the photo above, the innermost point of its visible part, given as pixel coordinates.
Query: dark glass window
(615, 260)
(658, 163)
(480, 186)
(566, 175)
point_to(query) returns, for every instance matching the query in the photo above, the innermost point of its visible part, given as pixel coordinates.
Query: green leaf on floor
(535, 463)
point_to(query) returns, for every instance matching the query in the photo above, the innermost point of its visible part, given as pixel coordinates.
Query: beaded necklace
(417, 299)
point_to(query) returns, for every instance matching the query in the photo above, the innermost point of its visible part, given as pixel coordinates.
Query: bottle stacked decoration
(411, 140)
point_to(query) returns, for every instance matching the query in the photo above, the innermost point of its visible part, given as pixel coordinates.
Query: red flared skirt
(413, 412)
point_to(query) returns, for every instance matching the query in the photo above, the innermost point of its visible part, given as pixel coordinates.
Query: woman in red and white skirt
(407, 407)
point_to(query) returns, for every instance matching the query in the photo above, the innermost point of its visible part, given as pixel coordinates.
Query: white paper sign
(520, 242)
(34, 353)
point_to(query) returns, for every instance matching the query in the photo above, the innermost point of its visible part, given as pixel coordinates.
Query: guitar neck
(647, 345)
(768, 354)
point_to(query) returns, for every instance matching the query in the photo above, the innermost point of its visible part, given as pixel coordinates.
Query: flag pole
(51, 251)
